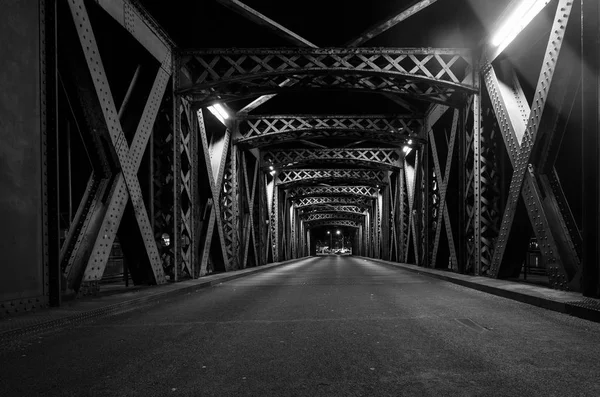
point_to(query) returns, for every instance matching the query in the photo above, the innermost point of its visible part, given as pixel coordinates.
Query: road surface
(325, 326)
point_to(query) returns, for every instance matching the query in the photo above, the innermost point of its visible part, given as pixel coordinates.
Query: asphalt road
(325, 326)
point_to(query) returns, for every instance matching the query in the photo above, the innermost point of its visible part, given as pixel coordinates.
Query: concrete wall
(21, 257)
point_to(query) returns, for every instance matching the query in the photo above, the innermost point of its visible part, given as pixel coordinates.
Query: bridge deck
(321, 326)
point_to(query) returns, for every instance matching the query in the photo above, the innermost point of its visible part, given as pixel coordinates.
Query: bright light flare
(517, 21)
(219, 112)
(406, 149)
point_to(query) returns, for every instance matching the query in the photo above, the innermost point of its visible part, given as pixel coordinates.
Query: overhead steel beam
(335, 215)
(342, 200)
(389, 23)
(333, 223)
(423, 73)
(260, 19)
(351, 209)
(314, 191)
(361, 176)
(270, 129)
(371, 157)
(141, 26)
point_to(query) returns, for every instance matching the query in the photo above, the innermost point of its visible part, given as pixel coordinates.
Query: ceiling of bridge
(317, 130)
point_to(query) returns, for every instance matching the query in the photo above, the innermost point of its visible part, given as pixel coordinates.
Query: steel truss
(112, 187)
(259, 131)
(377, 158)
(332, 215)
(315, 201)
(539, 132)
(333, 223)
(343, 175)
(310, 191)
(218, 164)
(434, 75)
(354, 209)
(442, 215)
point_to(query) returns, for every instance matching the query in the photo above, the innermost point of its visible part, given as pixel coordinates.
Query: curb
(574, 308)
(132, 304)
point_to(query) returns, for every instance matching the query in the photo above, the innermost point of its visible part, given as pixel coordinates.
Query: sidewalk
(80, 310)
(572, 303)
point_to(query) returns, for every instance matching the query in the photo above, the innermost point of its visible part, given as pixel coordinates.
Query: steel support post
(385, 223)
(176, 241)
(477, 132)
(263, 218)
(462, 187)
(425, 200)
(590, 99)
(49, 133)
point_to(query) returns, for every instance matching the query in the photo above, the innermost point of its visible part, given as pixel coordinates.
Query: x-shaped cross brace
(126, 185)
(533, 122)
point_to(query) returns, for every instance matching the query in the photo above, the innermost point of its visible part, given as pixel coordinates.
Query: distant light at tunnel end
(517, 21)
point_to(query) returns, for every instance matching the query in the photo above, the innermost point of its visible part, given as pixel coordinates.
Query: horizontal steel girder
(358, 191)
(351, 209)
(333, 223)
(374, 157)
(228, 74)
(362, 176)
(335, 215)
(315, 201)
(265, 130)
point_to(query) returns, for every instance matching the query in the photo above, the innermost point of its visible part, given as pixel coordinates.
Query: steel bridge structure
(127, 159)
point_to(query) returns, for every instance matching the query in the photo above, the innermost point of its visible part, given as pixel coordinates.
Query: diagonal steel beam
(443, 209)
(215, 154)
(545, 90)
(262, 20)
(389, 23)
(126, 185)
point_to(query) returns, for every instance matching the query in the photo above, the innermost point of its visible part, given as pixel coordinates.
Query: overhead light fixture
(271, 168)
(219, 112)
(410, 141)
(517, 21)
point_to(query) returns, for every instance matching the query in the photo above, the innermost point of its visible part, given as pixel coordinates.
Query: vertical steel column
(402, 215)
(49, 129)
(477, 176)
(275, 224)
(590, 99)
(386, 223)
(462, 199)
(425, 207)
(176, 240)
(263, 217)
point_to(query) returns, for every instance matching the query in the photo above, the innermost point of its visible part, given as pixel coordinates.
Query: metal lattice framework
(522, 130)
(87, 258)
(309, 191)
(266, 130)
(335, 215)
(314, 201)
(423, 73)
(351, 209)
(333, 223)
(442, 213)
(343, 175)
(374, 157)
